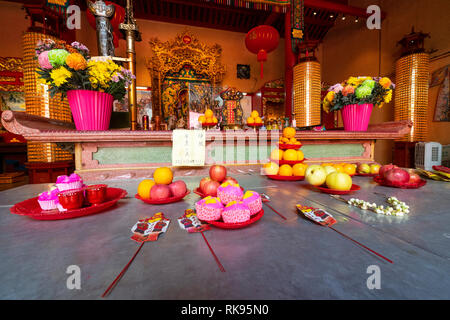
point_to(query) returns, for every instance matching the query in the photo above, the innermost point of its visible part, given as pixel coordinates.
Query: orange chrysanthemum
(76, 61)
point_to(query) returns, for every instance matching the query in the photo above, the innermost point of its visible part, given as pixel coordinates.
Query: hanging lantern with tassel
(261, 40)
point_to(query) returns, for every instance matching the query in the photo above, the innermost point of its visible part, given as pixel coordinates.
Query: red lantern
(261, 40)
(119, 16)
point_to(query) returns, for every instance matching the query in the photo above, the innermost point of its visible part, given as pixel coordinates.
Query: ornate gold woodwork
(11, 74)
(172, 56)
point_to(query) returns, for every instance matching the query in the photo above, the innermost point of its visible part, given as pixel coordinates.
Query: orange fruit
(339, 167)
(290, 155)
(292, 140)
(285, 170)
(271, 168)
(201, 119)
(300, 155)
(289, 132)
(144, 188)
(163, 175)
(214, 120)
(208, 113)
(258, 120)
(285, 140)
(327, 164)
(349, 169)
(276, 154)
(250, 120)
(209, 120)
(299, 169)
(254, 114)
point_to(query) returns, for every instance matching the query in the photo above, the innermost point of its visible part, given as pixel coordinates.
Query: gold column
(38, 101)
(306, 94)
(411, 93)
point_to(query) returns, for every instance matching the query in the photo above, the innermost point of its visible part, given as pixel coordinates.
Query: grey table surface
(271, 259)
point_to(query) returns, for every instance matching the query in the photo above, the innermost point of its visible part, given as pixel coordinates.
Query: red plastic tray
(165, 201)
(281, 162)
(286, 178)
(208, 124)
(285, 146)
(354, 187)
(31, 208)
(255, 124)
(383, 182)
(223, 225)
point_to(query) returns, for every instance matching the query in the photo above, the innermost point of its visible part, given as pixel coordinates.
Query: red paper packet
(317, 215)
(190, 222)
(149, 229)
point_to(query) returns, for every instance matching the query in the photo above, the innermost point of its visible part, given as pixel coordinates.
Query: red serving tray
(31, 208)
(208, 124)
(201, 194)
(354, 187)
(281, 162)
(284, 146)
(255, 124)
(383, 182)
(165, 201)
(223, 225)
(286, 178)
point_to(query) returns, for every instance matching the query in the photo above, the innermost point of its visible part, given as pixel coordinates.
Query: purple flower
(80, 46)
(336, 88)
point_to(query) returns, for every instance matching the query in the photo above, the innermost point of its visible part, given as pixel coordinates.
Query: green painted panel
(132, 155)
(332, 150)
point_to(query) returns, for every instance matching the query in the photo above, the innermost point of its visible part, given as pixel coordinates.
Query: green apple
(315, 175)
(329, 169)
(363, 168)
(375, 168)
(339, 181)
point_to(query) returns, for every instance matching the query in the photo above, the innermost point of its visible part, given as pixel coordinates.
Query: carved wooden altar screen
(186, 75)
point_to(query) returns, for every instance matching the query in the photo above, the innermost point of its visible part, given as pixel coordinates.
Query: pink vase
(91, 110)
(356, 117)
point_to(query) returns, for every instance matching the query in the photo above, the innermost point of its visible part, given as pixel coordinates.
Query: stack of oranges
(254, 118)
(277, 154)
(208, 118)
(288, 137)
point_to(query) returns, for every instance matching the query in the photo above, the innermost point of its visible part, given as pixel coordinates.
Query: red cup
(96, 194)
(71, 199)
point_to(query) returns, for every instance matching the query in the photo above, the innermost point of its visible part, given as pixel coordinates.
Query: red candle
(71, 199)
(96, 194)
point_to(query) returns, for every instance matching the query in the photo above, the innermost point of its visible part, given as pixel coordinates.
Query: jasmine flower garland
(397, 208)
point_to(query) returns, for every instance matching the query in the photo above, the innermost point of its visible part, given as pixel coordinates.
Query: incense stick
(214, 255)
(265, 202)
(342, 234)
(116, 280)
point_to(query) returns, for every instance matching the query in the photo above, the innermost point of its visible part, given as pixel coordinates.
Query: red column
(289, 58)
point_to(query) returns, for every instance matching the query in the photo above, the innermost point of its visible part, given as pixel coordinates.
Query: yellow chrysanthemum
(76, 61)
(385, 82)
(101, 72)
(354, 82)
(380, 105)
(60, 75)
(326, 106)
(388, 96)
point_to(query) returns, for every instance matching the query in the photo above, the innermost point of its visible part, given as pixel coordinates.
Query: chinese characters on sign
(188, 148)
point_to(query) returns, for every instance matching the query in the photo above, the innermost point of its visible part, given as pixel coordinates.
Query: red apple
(160, 192)
(414, 178)
(230, 180)
(178, 188)
(218, 173)
(210, 188)
(397, 175)
(385, 168)
(203, 182)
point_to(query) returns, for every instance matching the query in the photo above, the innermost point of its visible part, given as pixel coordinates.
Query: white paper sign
(188, 147)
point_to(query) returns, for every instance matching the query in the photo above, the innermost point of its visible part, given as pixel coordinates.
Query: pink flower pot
(356, 117)
(91, 110)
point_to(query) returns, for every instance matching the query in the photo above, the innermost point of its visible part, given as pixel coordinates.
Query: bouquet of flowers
(67, 67)
(359, 90)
